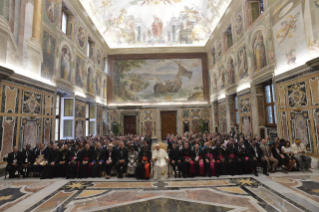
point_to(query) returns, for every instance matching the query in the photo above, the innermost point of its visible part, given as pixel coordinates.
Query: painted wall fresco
(26, 116)
(244, 112)
(48, 49)
(222, 118)
(80, 72)
(158, 80)
(129, 23)
(299, 119)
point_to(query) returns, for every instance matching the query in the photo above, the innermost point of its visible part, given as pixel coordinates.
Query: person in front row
(41, 157)
(49, 168)
(85, 161)
(13, 162)
(198, 158)
(160, 159)
(245, 165)
(132, 161)
(231, 155)
(269, 156)
(300, 156)
(122, 156)
(110, 157)
(74, 163)
(187, 160)
(175, 159)
(256, 155)
(219, 154)
(97, 161)
(63, 161)
(27, 160)
(210, 162)
(144, 165)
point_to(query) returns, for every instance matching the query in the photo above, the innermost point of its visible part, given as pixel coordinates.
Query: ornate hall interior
(159, 105)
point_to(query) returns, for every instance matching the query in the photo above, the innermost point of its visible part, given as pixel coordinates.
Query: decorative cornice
(291, 73)
(314, 63)
(243, 92)
(5, 72)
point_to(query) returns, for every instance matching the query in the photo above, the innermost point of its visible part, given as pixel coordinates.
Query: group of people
(189, 155)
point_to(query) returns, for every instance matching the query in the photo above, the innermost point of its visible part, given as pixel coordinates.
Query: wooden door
(168, 120)
(129, 125)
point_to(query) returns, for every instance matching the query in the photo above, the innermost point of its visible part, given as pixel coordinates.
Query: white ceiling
(155, 23)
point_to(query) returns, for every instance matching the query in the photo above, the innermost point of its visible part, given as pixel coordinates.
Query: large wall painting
(158, 80)
(80, 72)
(66, 63)
(48, 49)
(259, 51)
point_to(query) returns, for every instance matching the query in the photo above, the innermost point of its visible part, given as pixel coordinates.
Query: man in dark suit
(256, 155)
(26, 161)
(149, 141)
(110, 160)
(175, 157)
(13, 162)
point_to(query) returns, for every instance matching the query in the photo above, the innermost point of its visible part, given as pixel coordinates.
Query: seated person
(188, 164)
(279, 156)
(122, 156)
(231, 155)
(132, 160)
(268, 156)
(49, 170)
(160, 159)
(175, 159)
(289, 156)
(26, 162)
(13, 162)
(144, 165)
(85, 161)
(220, 158)
(110, 160)
(245, 164)
(210, 162)
(256, 155)
(97, 161)
(300, 156)
(74, 163)
(62, 161)
(198, 156)
(41, 157)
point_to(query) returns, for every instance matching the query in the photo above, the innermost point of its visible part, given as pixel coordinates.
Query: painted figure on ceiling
(157, 27)
(289, 24)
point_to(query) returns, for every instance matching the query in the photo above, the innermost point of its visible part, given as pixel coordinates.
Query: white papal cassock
(160, 164)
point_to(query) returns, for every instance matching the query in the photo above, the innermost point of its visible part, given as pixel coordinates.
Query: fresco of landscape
(158, 80)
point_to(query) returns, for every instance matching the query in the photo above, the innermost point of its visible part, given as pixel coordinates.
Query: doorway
(168, 123)
(129, 125)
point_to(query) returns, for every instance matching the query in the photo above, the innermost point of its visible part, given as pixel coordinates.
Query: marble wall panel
(245, 105)
(31, 102)
(47, 130)
(79, 128)
(10, 99)
(30, 131)
(316, 125)
(148, 122)
(48, 105)
(246, 123)
(261, 111)
(284, 125)
(314, 90)
(297, 95)
(8, 133)
(282, 97)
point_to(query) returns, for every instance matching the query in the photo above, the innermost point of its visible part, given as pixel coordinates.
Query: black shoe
(256, 174)
(265, 173)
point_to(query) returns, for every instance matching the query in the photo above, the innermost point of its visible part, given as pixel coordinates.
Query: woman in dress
(289, 155)
(279, 156)
(132, 160)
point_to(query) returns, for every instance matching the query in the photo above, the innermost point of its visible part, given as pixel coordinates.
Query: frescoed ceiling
(148, 23)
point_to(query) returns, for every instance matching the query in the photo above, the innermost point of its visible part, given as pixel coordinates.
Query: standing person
(49, 168)
(132, 160)
(74, 163)
(300, 156)
(97, 161)
(85, 161)
(110, 160)
(175, 159)
(122, 156)
(62, 161)
(13, 162)
(27, 161)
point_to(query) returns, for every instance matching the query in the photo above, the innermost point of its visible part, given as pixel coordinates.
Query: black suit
(85, 156)
(60, 169)
(200, 155)
(122, 154)
(13, 163)
(263, 163)
(49, 170)
(27, 157)
(232, 162)
(219, 156)
(175, 155)
(73, 164)
(98, 156)
(186, 153)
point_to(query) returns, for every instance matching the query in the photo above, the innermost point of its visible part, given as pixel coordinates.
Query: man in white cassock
(160, 159)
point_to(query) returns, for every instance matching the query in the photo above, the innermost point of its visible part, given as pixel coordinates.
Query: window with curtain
(270, 107)
(68, 117)
(68, 107)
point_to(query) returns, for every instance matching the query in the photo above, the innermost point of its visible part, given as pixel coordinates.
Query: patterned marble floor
(279, 192)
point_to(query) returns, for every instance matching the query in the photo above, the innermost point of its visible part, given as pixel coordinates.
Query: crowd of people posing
(190, 155)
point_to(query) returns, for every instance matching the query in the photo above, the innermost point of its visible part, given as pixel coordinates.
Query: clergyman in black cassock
(62, 162)
(122, 158)
(86, 158)
(74, 163)
(198, 156)
(219, 156)
(13, 162)
(144, 166)
(175, 157)
(231, 156)
(49, 168)
(26, 161)
(97, 161)
(244, 161)
(111, 158)
(186, 159)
